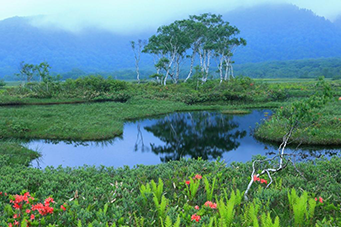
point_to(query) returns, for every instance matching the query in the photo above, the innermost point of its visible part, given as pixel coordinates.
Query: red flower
(62, 207)
(263, 181)
(9, 224)
(255, 178)
(188, 182)
(48, 201)
(210, 204)
(198, 176)
(196, 207)
(195, 217)
(320, 199)
(43, 210)
(16, 206)
(32, 216)
(28, 211)
(339, 98)
(16, 223)
(15, 216)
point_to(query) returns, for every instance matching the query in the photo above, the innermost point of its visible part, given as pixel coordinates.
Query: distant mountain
(273, 33)
(92, 51)
(284, 32)
(337, 22)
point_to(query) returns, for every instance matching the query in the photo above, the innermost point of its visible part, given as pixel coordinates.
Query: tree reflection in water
(199, 134)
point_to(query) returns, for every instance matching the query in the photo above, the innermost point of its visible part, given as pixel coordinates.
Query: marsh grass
(14, 153)
(236, 112)
(325, 131)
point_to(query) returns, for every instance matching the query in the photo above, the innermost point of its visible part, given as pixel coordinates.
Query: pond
(209, 135)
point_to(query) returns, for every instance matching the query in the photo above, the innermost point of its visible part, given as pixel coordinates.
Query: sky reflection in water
(209, 135)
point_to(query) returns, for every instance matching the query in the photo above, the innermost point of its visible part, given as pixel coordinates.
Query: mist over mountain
(337, 22)
(273, 33)
(284, 32)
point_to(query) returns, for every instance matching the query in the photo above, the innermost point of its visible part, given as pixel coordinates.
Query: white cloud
(136, 15)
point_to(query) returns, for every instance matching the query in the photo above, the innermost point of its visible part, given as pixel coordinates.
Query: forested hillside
(273, 33)
(284, 32)
(306, 68)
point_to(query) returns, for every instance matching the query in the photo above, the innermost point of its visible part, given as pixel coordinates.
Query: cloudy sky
(138, 15)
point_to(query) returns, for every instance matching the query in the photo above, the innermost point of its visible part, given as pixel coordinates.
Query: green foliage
(267, 221)
(309, 119)
(105, 196)
(302, 213)
(168, 222)
(2, 83)
(227, 210)
(157, 189)
(209, 189)
(12, 152)
(192, 188)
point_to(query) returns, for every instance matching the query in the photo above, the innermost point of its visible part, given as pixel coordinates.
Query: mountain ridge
(273, 33)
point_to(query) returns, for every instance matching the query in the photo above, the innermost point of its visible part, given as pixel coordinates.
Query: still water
(209, 135)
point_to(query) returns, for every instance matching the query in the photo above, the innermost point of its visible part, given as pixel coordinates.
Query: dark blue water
(208, 135)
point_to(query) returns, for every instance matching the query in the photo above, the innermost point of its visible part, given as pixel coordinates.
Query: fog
(132, 16)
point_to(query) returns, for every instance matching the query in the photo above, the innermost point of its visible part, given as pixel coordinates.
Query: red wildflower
(198, 176)
(43, 210)
(255, 178)
(32, 216)
(188, 182)
(9, 224)
(320, 199)
(16, 223)
(196, 207)
(263, 181)
(339, 98)
(15, 216)
(28, 211)
(195, 217)
(48, 201)
(210, 204)
(17, 206)
(62, 207)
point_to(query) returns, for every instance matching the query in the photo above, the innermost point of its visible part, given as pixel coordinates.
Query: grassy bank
(83, 121)
(326, 130)
(14, 153)
(124, 197)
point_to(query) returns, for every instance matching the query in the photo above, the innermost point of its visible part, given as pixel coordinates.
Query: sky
(131, 16)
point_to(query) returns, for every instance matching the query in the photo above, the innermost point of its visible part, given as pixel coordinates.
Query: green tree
(26, 71)
(206, 35)
(2, 83)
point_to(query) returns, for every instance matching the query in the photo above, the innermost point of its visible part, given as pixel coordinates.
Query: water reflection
(301, 153)
(208, 135)
(202, 134)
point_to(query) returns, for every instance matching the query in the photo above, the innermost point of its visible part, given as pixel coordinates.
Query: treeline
(307, 68)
